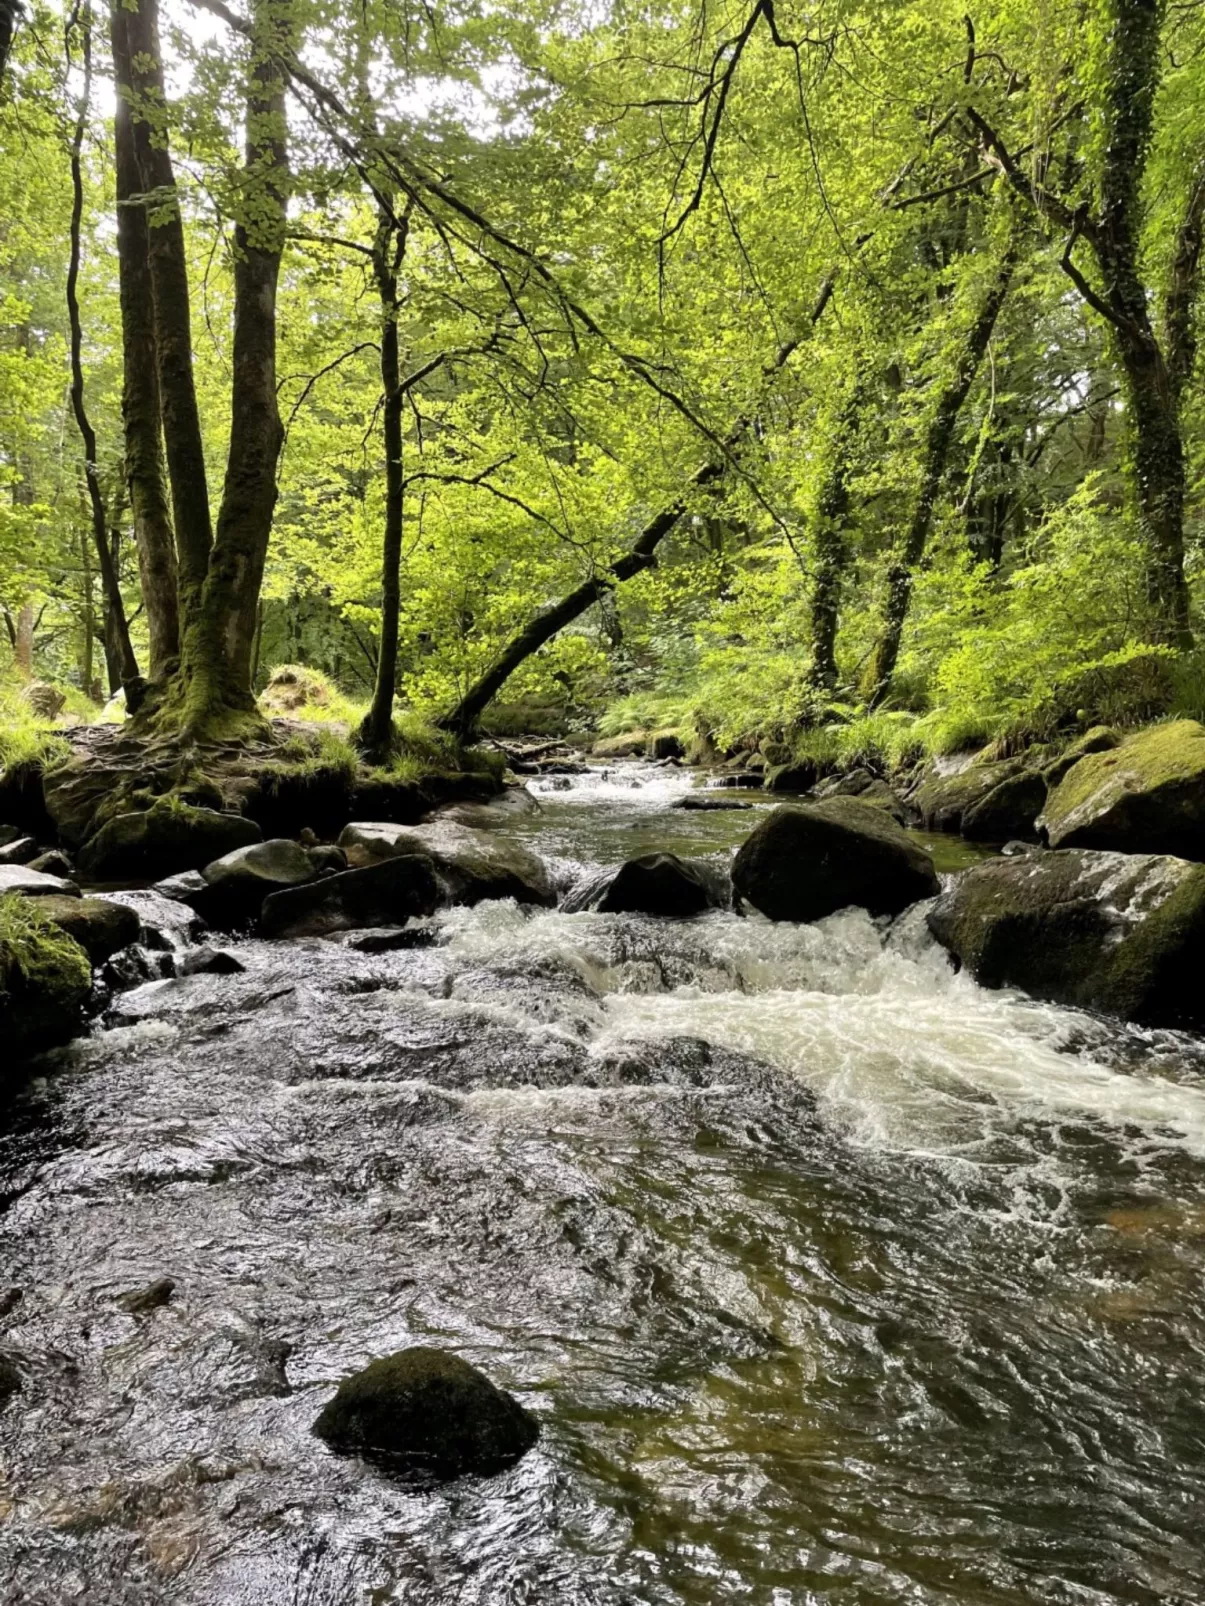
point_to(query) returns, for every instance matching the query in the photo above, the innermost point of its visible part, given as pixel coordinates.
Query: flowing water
(830, 1276)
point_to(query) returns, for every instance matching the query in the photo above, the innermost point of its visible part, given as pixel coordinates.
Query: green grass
(46, 957)
(24, 738)
(313, 697)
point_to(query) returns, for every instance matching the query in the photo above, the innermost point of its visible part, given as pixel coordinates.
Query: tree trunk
(831, 547)
(10, 10)
(140, 390)
(23, 644)
(108, 572)
(88, 611)
(938, 439)
(168, 268)
(219, 635)
(377, 730)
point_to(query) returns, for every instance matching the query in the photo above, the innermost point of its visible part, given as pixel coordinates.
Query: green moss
(45, 977)
(295, 691)
(1156, 757)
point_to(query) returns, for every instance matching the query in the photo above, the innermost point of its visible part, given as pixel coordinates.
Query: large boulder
(101, 927)
(809, 860)
(237, 883)
(472, 865)
(1145, 796)
(631, 744)
(45, 980)
(867, 788)
(427, 1413)
(1100, 739)
(161, 840)
(654, 884)
(1008, 812)
(383, 894)
(951, 788)
(1121, 933)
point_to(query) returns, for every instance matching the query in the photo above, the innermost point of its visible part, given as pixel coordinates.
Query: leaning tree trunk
(219, 634)
(464, 718)
(376, 733)
(938, 440)
(168, 267)
(140, 406)
(115, 607)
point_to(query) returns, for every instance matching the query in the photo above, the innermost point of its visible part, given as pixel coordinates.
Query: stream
(830, 1276)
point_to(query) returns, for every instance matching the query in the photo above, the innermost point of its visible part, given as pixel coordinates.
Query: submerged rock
(101, 927)
(1116, 932)
(428, 1413)
(161, 840)
(471, 865)
(384, 894)
(695, 800)
(1145, 796)
(809, 860)
(653, 884)
(45, 979)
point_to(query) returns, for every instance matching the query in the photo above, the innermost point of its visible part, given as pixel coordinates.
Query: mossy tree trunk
(831, 544)
(939, 438)
(153, 534)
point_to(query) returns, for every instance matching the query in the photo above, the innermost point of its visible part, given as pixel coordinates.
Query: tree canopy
(818, 373)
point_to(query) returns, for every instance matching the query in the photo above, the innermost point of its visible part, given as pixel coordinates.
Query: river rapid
(830, 1276)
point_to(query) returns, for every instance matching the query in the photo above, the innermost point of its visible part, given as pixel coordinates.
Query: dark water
(830, 1277)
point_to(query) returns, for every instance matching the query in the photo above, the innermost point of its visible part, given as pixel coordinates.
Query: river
(830, 1276)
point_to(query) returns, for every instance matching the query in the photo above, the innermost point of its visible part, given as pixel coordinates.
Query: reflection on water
(830, 1276)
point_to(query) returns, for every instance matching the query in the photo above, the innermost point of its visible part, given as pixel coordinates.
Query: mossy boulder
(1100, 739)
(473, 865)
(792, 777)
(430, 1414)
(1145, 796)
(1008, 812)
(653, 884)
(384, 894)
(632, 744)
(809, 860)
(665, 744)
(1120, 933)
(947, 792)
(45, 979)
(101, 927)
(867, 788)
(159, 841)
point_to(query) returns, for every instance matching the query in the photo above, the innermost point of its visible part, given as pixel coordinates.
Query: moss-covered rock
(45, 979)
(631, 744)
(1100, 739)
(946, 794)
(159, 841)
(792, 777)
(1120, 933)
(237, 883)
(1145, 796)
(1008, 812)
(809, 860)
(430, 1414)
(101, 927)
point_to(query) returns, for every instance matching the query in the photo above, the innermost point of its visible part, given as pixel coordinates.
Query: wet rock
(237, 883)
(696, 801)
(100, 927)
(45, 980)
(559, 783)
(515, 803)
(867, 788)
(739, 780)
(630, 745)
(165, 925)
(34, 883)
(133, 966)
(387, 939)
(1145, 796)
(139, 1301)
(182, 887)
(10, 1298)
(791, 777)
(53, 863)
(1100, 739)
(1116, 932)
(327, 858)
(384, 894)
(654, 884)
(952, 787)
(428, 1413)
(809, 860)
(472, 866)
(1009, 811)
(161, 840)
(20, 851)
(210, 962)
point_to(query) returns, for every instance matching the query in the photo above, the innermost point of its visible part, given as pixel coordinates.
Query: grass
(44, 956)
(24, 738)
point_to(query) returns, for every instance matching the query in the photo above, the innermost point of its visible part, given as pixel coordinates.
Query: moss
(1146, 795)
(45, 977)
(298, 692)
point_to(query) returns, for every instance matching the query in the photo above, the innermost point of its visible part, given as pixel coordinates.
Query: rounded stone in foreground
(429, 1414)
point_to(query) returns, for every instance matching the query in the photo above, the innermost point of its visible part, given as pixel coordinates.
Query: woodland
(813, 375)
